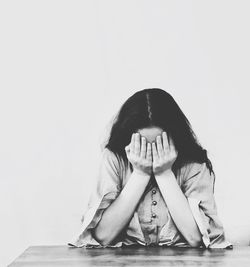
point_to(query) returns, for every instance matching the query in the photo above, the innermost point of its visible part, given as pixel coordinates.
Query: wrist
(164, 174)
(166, 179)
(141, 173)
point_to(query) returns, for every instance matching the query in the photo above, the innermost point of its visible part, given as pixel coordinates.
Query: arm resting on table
(120, 212)
(178, 207)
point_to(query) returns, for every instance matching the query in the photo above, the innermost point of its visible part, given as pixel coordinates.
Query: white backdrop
(67, 66)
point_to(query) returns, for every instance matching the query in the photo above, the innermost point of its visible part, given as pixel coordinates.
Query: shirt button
(154, 215)
(154, 202)
(153, 191)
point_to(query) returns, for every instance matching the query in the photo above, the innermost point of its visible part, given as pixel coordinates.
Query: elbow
(195, 241)
(103, 240)
(195, 244)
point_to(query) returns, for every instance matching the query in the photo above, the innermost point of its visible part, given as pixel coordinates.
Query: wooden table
(132, 256)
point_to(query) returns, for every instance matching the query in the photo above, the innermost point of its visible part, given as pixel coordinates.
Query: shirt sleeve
(108, 187)
(198, 187)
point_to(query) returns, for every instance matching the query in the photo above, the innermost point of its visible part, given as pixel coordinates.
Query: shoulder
(110, 155)
(197, 176)
(193, 169)
(112, 159)
(106, 152)
(198, 181)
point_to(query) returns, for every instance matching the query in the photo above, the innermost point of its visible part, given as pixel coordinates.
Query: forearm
(120, 212)
(178, 207)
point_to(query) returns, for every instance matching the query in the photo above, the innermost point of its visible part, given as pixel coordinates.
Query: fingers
(155, 154)
(137, 145)
(159, 146)
(143, 147)
(149, 152)
(127, 149)
(165, 142)
(172, 147)
(132, 147)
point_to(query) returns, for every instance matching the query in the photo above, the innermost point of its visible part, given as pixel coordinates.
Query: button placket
(154, 198)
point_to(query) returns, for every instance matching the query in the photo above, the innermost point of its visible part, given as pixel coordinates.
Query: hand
(164, 155)
(140, 155)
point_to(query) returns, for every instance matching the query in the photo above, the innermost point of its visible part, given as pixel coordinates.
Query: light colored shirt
(152, 223)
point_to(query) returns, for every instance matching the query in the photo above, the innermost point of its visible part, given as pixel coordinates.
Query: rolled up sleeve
(198, 187)
(107, 189)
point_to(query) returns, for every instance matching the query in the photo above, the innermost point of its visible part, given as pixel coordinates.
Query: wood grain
(132, 256)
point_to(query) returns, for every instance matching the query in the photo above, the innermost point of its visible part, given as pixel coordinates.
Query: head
(150, 133)
(150, 112)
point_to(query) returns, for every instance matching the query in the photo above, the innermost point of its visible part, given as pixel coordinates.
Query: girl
(155, 184)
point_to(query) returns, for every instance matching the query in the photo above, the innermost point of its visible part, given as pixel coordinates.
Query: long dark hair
(156, 107)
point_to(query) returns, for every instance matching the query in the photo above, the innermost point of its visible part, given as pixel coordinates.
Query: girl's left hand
(164, 155)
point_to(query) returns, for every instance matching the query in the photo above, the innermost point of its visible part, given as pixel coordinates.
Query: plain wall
(66, 68)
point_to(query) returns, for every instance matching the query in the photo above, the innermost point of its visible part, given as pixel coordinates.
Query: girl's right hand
(140, 155)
